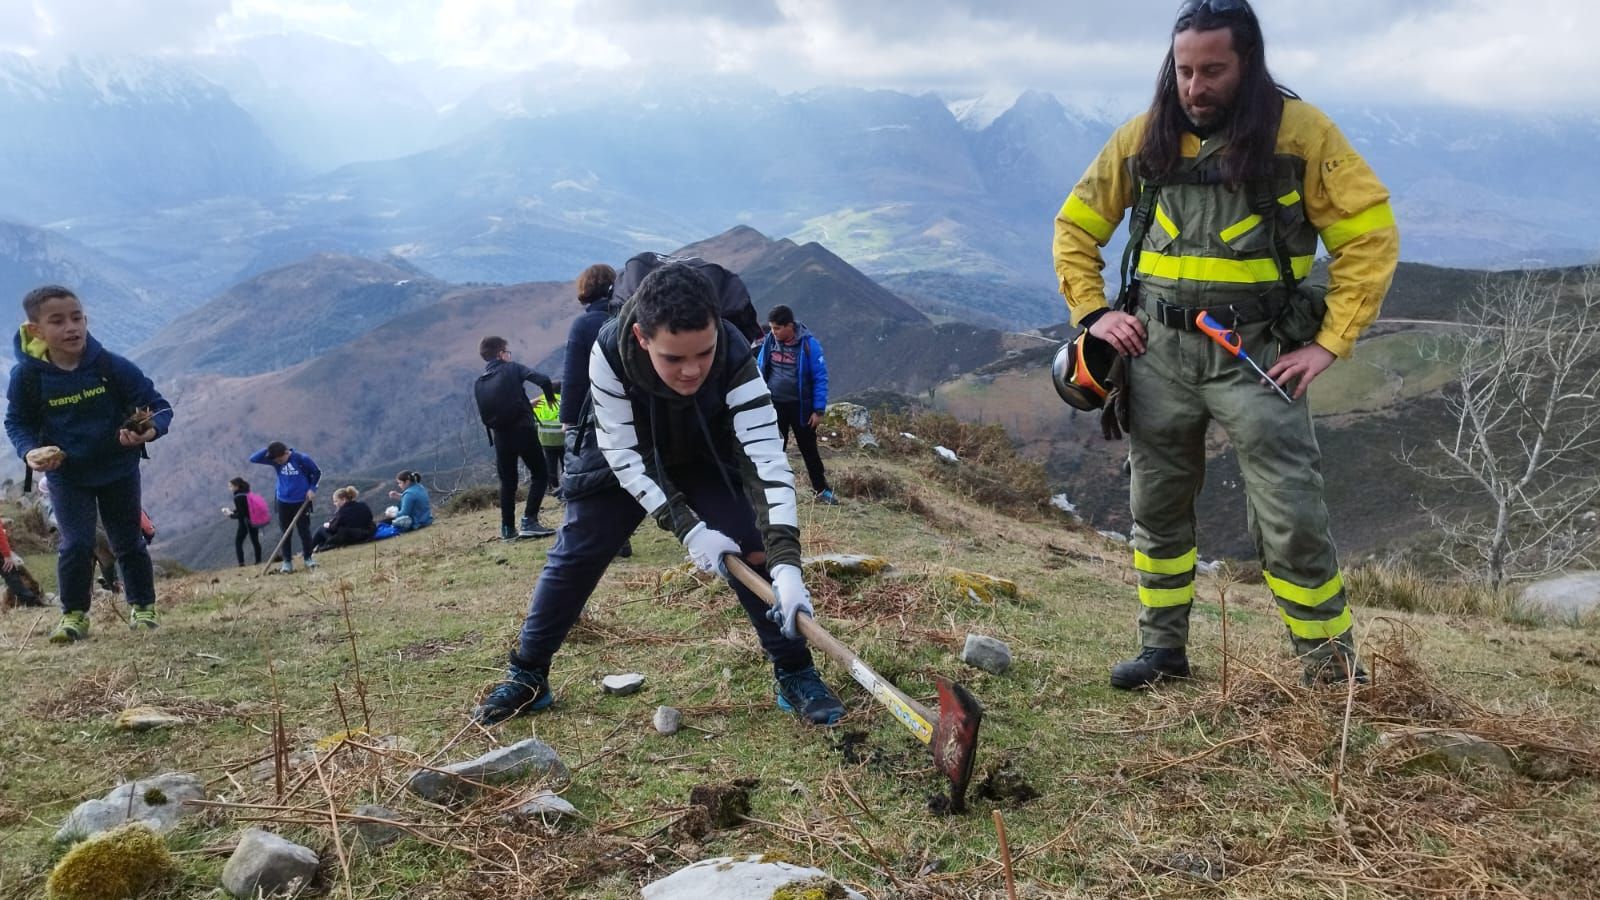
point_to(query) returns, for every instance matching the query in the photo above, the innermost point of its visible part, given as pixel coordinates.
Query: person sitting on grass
(415, 510)
(351, 523)
(683, 430)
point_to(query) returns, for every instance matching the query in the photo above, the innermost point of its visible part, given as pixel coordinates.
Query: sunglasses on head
(1215, 7)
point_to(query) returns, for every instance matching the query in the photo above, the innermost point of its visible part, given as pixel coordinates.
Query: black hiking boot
(532, 528)
(1333, 664)
(803, 693)
(523, 691)
(1151, 665)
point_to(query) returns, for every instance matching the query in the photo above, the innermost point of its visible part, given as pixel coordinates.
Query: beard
(1207, 116)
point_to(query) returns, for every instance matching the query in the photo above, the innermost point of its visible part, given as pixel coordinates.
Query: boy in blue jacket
(71, 406)
(297, 487)
(791, 362)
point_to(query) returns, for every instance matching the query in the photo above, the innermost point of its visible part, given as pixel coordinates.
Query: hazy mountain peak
(978, 113)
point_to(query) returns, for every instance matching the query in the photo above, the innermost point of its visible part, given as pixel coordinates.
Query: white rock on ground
(866, 440)
(146, 718)
(667, 720)
(946, 454)
(527, 759)
(987, 653)
(1456, 750)
(1572, 594)
(622, 685)
(728, 878)
(264, 863)
(848, 563)
(545, 806)
(158, 802)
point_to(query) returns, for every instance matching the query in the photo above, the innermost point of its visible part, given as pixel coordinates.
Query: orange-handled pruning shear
(1230, 341)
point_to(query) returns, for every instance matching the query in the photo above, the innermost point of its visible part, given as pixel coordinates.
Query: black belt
(1244, 312)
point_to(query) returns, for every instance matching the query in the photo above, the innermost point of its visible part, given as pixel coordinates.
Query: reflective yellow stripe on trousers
(1310, 598)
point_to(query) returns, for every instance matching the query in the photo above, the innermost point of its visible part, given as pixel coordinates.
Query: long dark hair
(1252, 128)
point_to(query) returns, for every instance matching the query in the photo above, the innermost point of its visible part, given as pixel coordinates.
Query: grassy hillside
(1236, 785)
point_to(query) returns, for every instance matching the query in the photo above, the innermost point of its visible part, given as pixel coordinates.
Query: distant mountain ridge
(339, 358)
(123, 136)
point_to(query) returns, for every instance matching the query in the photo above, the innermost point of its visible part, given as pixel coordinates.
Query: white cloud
(1487, 54)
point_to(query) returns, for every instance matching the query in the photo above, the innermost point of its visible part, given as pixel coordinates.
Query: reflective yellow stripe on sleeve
(1165, 221)
(1310, 630)
(1303, 596)
(1161, 597)
(1083, 215)
(1175, 565)
(1345, 230)
(1227, 271)
(1289, 199)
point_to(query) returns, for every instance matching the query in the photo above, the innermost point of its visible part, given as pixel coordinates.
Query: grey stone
(546, 807)
(622, 685)
(853, 414)
(866, 440)
(750, 878)
(1453, 750)
(667, 720)
(987, 653)
(264, 863)
(266, 769)
(377, 834)
(527, 759)
(1116, 536)
(946, 454)
(1572, 594)
(158, 802)
(146, 718)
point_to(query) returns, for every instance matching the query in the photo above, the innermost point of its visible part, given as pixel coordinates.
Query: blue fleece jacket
(811, 370)
(414, 502)
(297, 475)
(80, 410)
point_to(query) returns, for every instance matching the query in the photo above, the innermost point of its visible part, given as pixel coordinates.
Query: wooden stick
(1005, 855)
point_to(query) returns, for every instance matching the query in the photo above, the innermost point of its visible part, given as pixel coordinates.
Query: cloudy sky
(1534, 54)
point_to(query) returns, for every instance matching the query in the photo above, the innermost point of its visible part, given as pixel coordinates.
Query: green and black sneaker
(74, 626)
(144, 618)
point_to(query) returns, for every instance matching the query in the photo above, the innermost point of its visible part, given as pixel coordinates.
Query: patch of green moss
(155, 797)
(813, 889)
(982, 588)
(123, 862)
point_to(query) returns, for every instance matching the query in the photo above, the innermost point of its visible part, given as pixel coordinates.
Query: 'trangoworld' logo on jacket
(79, 397)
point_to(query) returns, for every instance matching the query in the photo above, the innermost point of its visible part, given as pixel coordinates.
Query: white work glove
(793, 598)
(13, 561)
(706, 547)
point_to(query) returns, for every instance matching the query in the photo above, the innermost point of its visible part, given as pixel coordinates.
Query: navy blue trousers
(511, 446)
(595, 528)
(117, 505)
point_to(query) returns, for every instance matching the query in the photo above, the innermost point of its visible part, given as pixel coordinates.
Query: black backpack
(733, 298)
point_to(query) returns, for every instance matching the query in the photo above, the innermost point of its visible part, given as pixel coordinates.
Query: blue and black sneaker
(523, 691)
(803, 693)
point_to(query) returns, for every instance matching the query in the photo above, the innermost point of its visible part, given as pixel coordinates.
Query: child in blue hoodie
(297, 487)
(70, 412)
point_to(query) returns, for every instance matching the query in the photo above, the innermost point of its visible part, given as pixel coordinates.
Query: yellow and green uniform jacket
(1206, 247)
(548, 417)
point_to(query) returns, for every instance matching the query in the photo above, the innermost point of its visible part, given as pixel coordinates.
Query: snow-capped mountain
(123, 134)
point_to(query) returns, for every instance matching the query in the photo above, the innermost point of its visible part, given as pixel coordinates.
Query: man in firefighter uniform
(1232, 179)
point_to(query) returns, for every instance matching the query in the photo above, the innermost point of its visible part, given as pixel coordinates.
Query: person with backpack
(791, 362)
(596, 284)
(296, 489)
(508, 418)
(682, 430)
(250, 511)
(1232, 179)
(548, 415)
(84, 414)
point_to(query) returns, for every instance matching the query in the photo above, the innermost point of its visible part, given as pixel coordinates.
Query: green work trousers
(1182, 382)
